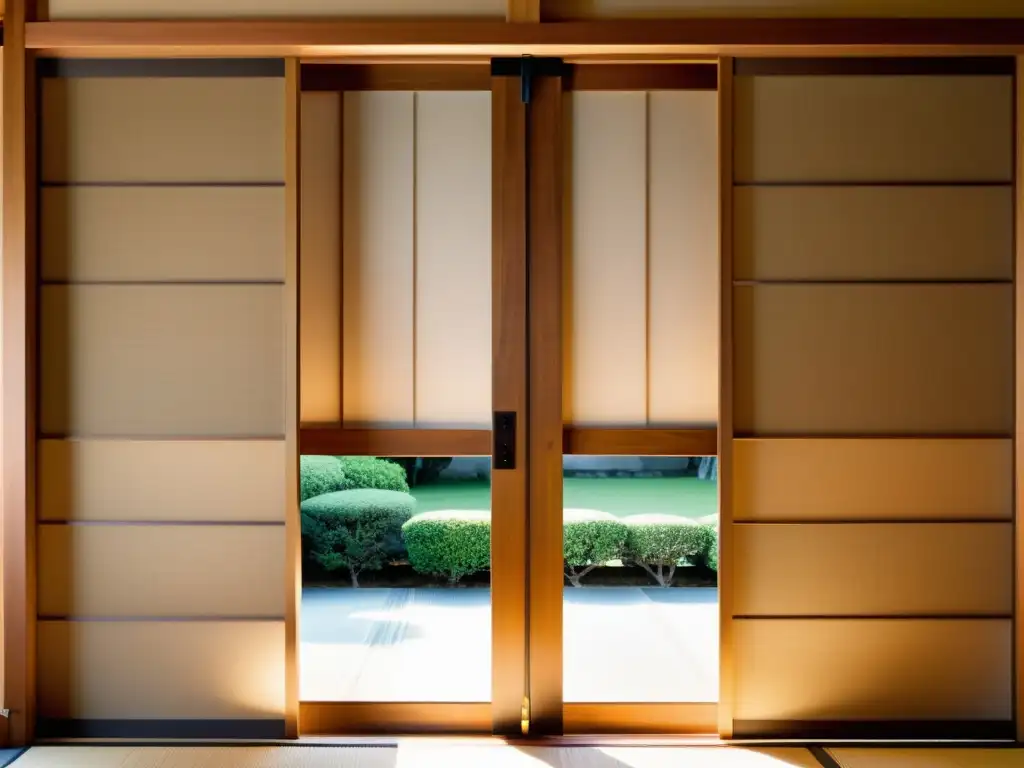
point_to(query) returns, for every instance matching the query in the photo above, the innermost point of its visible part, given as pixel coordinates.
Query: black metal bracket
(527, 68)
(504, 434)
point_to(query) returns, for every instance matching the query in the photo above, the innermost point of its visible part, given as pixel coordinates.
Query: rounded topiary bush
(658, 542)
(370, 472)
(352, 529)
(449, 543)
(590, 538)
(319, 475)
(711, 556)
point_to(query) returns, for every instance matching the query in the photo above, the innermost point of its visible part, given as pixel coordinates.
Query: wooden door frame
(548, 285)
(398, 41)
(503, 713)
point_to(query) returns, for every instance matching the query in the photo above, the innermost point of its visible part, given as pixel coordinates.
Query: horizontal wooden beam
(640, 442)
(587, 441)
(639, 77)
(427, 76)
(648, 718)
(394, 442)
(668, 37)
(396, 77)
(334, 718)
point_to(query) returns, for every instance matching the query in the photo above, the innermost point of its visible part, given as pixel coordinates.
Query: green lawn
(684, 496)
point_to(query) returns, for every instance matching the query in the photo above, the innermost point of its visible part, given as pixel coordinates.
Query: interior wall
(396, 259)
(642, 259)
(162, 461)
(873, 401)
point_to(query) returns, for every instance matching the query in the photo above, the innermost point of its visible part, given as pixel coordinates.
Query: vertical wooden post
(509, 340)
(18, 375)
(293, 534)
(545, 415)
(1018, 445)
(726, 694)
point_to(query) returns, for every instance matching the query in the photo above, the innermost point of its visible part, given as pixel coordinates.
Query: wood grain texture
(610, 441)
(331, 718)
(320, 289)
(18, 378)
(509, 489)
(332, 441)
(395, 77)
(1018, 442)
(646, 718)
(813, 9)
(652, 77)
(828, 480)
(623, 37)
(292, 571)
(873, 669)
(263, 9)
(545, 406)
(726, 402)
(523, 10)
(916, 569)
(585, 441)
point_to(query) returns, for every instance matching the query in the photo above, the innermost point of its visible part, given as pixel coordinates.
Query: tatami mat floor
(428, 754)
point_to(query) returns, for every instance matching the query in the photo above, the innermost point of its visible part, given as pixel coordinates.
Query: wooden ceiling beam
(623, 38)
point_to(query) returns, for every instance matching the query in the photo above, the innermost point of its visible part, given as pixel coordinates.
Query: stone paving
(622, 644)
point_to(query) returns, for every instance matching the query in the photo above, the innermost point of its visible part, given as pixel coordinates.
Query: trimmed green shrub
(319, 475)
(590, 538)
(711, 556)
(450, 543)
(370, 472)
(350, 529)
(658, 542)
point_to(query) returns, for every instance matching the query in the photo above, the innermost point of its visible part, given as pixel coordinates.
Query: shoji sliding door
(872, 513)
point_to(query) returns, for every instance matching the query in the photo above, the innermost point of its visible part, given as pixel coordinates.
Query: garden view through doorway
(396, 600)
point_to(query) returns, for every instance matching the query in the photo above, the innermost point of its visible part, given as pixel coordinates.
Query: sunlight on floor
(429, 644)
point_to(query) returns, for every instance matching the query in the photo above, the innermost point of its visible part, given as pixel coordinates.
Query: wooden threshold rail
(593, 441)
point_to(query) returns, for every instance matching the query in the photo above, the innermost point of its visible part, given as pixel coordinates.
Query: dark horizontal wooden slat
(752, 436)
(394, 442)
(597, 441)
(977, 730)
(161, 68)
(643, 77)
(395, 77)
(600, 441)
(332, 718)
(908, 65)
(647, 718)
(704, 36)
